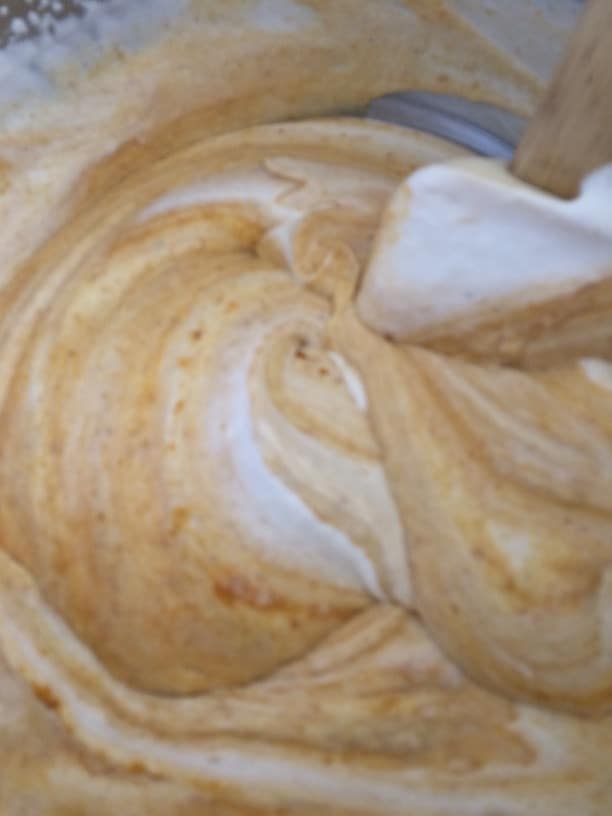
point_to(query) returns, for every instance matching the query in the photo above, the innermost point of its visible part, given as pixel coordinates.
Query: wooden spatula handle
(571, 133)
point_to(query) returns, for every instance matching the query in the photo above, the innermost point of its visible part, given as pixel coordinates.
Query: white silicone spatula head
(473, 259)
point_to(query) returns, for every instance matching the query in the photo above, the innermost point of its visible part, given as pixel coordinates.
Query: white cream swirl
(196, 465)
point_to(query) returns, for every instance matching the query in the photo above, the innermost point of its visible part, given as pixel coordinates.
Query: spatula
(462, 244)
